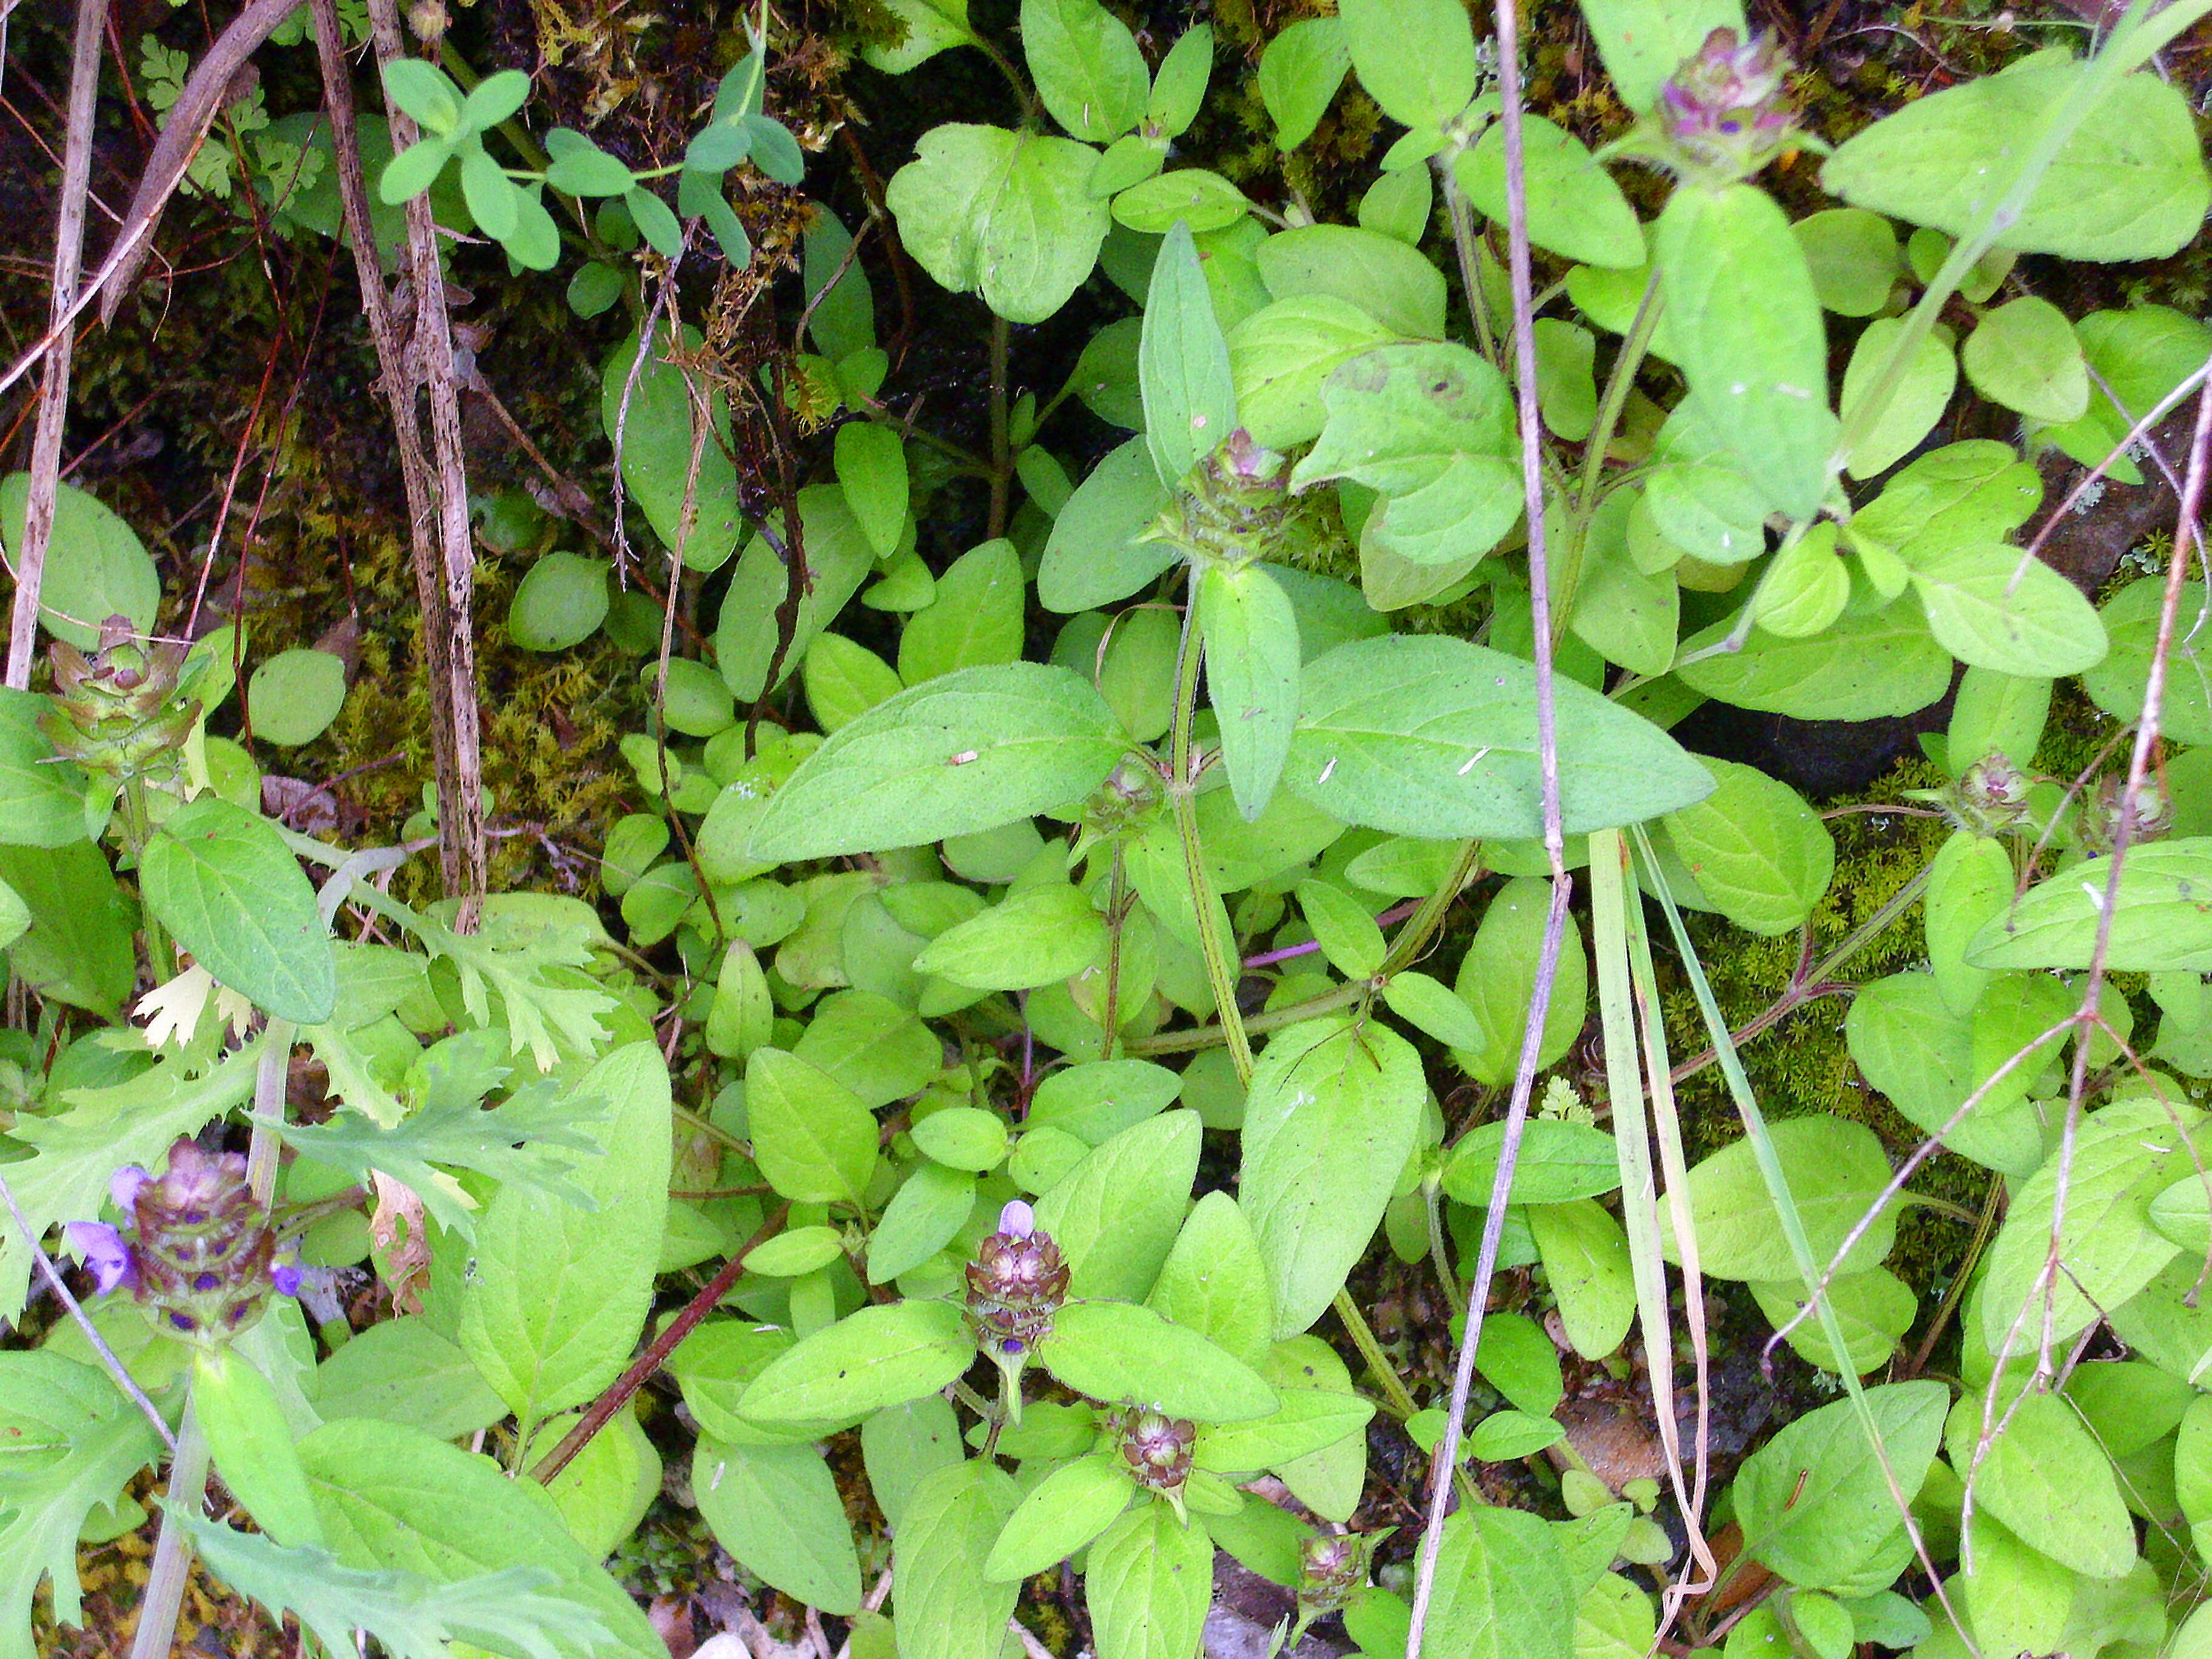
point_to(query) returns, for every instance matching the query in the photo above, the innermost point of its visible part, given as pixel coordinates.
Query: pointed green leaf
(1814, 1502)
(1063, 1513)
(1182, 363)
(872, 471)
(967, 752)
(1502, 1590)
(946, 1608)
(1761, 856)
(881, 1356)
(1116, 1350)
(1329, 1120)
(2024, 354)
(973, 621)
(1575, 209)
(1251, 638)
(776, 1510)
(223, 883)
(2128, 184)
(1088, 69)
(1149, 1582)
(1433, 737)
(1746, 324)
(1995, 606)
(1299, 73)
(392, 1497)
(1415, 57)
(560, 1289)
(815, 1141)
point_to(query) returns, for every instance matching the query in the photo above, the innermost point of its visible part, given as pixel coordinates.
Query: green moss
(1801, 1064)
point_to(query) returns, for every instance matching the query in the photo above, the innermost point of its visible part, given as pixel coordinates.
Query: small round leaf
(295, 695)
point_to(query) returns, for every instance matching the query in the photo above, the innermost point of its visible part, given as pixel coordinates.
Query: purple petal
(103, 1251)
(1017, 1219)
(285, 1276)
(124, 1183)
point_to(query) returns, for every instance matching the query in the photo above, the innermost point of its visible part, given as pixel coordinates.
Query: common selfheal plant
(199, 1255)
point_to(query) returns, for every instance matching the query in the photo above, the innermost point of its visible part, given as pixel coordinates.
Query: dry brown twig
(437, 500)
(54, 391)
(197, 105)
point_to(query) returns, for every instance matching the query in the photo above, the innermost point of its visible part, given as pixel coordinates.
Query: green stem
(1002, 466)
(1182, 798)
(1420, 926)
(1275, 1019)
(1386, 1375)
(1432, 1201)
(1117, 906)
(1464, 244)
(1412, 938)
(712, 1130)
(1387, 1378)
(1617, 385)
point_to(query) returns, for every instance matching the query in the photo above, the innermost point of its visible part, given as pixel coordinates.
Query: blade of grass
(1785, 1206)
(1627, 1000)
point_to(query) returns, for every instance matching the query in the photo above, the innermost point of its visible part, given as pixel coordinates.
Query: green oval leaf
(878, 1357)
(1088, 68)
(2024, 354)
(776, 1509)
(1745, 325)
(1182, 361)
(964, 752)
(96, 566)
(1063, 1513)
(2128, 183)
(1008, 215)
(1329, 1120)
(1575, 209)
(1251, 637)
(1420, 735)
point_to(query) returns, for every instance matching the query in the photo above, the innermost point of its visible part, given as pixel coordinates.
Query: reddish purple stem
(1268, 958)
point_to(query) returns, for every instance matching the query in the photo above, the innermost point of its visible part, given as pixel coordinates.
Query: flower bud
(1331, 1568)
(1123, 801)
(119, 712)
(1989, 797)
(1725, 113)
(2099, 825)
(1156, 1448)
(1232, 505)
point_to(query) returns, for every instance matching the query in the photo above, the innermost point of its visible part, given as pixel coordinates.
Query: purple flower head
(1015, 1286)
(104, 1251)
(1726, 112)
(202, 1247)
(285, 1276)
